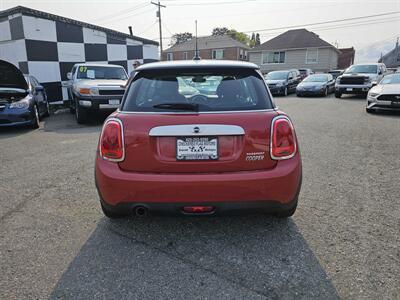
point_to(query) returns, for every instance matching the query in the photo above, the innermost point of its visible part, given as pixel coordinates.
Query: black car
(282, 82)
(23, 100)
(316, 84)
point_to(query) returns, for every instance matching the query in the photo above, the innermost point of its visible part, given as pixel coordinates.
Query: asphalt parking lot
(343, 241)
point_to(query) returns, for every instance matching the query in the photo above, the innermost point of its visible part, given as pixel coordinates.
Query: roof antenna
(196, 51)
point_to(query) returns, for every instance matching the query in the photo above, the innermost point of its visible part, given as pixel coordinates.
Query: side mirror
(39, 88)
(374, 83)
(69, 75)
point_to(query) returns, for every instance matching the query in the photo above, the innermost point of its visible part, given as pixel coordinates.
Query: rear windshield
(196, 90)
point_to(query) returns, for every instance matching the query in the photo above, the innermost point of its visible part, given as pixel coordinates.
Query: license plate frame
(115, 102)
(349, 89)
(184, 152)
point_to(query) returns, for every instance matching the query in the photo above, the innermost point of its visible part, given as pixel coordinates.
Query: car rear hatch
(242, 139)
(228, 131)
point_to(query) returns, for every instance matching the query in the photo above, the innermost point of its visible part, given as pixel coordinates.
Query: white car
(93, 87)
(385, 95)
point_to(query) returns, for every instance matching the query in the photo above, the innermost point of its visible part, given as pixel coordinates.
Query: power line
(122, 12)
(320, 23)
(328, 22)
(130, 16)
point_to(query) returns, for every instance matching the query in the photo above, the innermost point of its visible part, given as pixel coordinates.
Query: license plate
(113, 102)
(349, 89)
(197, 148)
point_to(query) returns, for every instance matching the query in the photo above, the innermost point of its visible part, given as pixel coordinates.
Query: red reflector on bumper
(198, 209)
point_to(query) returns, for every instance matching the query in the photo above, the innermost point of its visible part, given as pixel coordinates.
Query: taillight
(283, 138)
(112, 140)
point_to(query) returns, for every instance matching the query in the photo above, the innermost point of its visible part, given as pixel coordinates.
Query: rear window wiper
(179, 106)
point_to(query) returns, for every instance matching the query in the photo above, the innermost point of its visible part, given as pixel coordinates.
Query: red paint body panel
(150, 172)
(158, 154)
(279, 184)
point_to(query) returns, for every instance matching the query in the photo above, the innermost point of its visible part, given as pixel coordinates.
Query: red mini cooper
(198, 138)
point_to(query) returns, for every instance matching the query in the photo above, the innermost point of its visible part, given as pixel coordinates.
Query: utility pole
(159, 23)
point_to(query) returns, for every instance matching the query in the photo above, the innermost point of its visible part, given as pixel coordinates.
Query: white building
(47, 46)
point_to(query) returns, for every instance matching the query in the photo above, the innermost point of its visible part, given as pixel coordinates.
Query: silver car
(94, 87)
(385, 95)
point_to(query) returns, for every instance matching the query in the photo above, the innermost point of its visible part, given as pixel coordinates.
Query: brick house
(346, 57)
(210, 47)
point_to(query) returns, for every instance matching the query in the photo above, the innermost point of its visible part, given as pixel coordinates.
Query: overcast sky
(242, 15)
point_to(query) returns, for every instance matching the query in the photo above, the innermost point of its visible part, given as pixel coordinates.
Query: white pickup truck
(358, 79)
(94, 87)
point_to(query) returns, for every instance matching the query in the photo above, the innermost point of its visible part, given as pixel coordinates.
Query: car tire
(80, 113)
(285, 91)
(286, 213)
(326, 92)
(36, 119)
(47, 113)
(111, 214)
(338, 95)
(370, 110)
(298, 95)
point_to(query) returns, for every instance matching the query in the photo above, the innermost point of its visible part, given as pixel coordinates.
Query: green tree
(252, 40)
(258, 41)
(219, 31)
(179, 38)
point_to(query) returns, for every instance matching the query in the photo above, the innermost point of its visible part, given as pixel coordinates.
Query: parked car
(317, 84)
(23, 100)
(283, 82)
(94, 87)
(305, 72)
(336, 73)
(385, 95)
(162, 152)
(358, 79)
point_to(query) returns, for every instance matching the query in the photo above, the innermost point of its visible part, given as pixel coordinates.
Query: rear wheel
(338, 94)
(80, 113)
(35, 120)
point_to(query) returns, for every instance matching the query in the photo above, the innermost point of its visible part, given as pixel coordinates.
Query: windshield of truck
(98, 72)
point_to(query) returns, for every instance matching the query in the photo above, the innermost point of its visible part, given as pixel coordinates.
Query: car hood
(100, 82)
(270, 81)
(386, 89)
(369, 75)
(311, 84)
(11, 77)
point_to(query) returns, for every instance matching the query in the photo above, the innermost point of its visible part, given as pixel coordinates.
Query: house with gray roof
(295, 49)
(392, 58)
(210, 47)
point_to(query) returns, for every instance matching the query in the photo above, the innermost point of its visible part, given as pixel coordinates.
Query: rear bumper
(274, 189)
